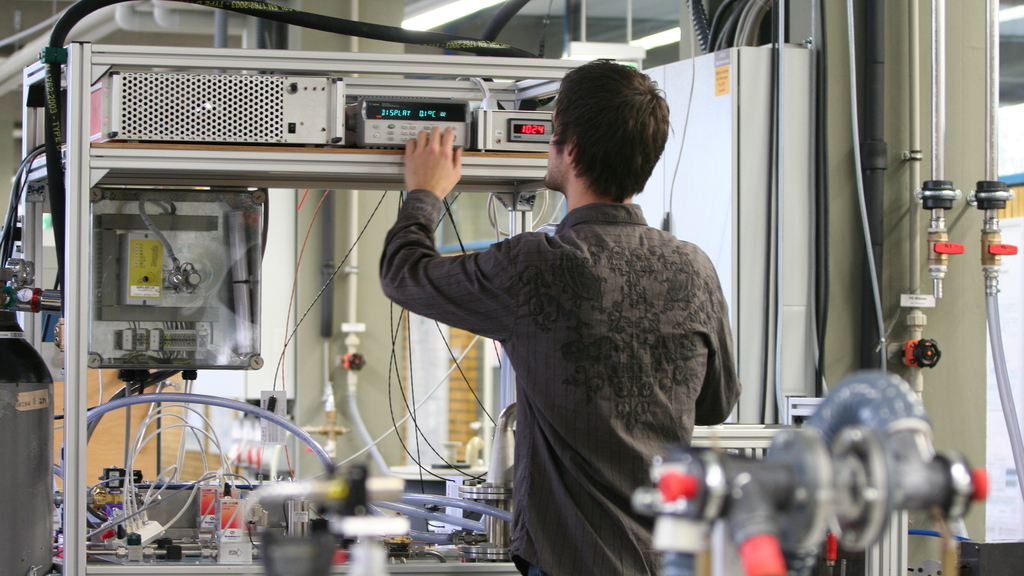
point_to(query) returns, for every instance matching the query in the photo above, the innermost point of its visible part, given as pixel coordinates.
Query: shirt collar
(604, 212)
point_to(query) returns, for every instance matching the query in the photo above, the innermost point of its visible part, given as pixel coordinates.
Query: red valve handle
(979, 477)
(762, 556)
(675, 485)
(1002, 249)
(831, 547)
(949, 248)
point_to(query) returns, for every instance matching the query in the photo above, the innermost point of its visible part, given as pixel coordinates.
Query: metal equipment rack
(88, 164)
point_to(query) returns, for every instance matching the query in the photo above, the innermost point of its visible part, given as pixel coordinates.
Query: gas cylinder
(26, 454)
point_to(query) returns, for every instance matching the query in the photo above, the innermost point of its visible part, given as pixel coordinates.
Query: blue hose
(459, 503)
(418, 512)
(916, 532)
(221, 403)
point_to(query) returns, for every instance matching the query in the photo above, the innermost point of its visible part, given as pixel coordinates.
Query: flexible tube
(507, 11)
(459, 503)
(435, 516)
(430, 537)
(700, 24)
(357, 421)
(995, 337)
(221, 403)
(862, 203)
(417, 536)
(868, 398)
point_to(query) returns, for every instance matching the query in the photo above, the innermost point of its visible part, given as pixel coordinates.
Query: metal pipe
(914, 168)
(992, 92)
(501, 469)
(220, 28)
(938, 89)
(916, 318)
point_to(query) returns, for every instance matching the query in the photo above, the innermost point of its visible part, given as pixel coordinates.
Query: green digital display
(415, 111)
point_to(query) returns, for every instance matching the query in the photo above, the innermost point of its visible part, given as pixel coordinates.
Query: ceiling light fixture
(1014, 13)
(609, 50)
(445, 14)
(659, 39)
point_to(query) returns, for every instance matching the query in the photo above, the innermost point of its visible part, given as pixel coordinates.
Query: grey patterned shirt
(619, 336)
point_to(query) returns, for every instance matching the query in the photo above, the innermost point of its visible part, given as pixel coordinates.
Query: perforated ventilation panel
(201, 107)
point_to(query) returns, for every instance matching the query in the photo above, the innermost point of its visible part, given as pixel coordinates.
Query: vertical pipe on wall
(780, 186)
(874, 162)
(938, 89)
(992, 91)
(916, 319)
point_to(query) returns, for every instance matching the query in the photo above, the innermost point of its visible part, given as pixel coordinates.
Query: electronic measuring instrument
(389, 122)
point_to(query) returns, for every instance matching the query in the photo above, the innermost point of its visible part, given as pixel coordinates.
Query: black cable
(11, 218)
(823, 284)
(727, 38)
(324, 288)
(393, 363)
(770, 287)
(507, 11)
(464, 378)
(544, 31)
(700, 24)
(719, 20)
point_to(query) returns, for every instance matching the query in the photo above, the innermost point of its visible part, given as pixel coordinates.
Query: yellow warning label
(145, 269)
(722, 80)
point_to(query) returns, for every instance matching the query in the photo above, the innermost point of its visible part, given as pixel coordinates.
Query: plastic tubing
(430, 537)
(435, 516)
(357, 421)
(995, 337)
(460, 503)
(221, 403)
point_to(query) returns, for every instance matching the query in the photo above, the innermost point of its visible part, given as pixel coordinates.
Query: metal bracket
(913, 155)
(973, 197)
(517, 201)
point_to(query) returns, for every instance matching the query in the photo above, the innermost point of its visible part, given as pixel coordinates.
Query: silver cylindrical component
(938, 89)
(298, 517)
(26, 427)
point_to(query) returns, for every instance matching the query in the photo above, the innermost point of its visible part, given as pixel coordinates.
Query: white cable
(869, 254)
(108, 525)
(469, 347)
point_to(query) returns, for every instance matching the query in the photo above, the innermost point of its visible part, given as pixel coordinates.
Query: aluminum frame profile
(87, 165)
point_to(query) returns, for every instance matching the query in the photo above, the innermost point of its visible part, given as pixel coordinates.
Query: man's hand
(431, 163)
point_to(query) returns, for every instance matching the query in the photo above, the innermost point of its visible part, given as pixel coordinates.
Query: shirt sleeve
(721, 388)
(473, 292)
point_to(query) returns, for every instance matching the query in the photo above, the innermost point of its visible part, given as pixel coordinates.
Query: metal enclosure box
(497, 130)
(176, 278)
(715, 178)
(219, 108)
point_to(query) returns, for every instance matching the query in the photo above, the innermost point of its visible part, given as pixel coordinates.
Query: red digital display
(529, 128)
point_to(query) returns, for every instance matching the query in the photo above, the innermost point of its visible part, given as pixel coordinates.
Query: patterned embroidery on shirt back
(631, 315)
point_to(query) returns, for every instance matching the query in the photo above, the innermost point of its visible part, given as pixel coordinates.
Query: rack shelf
(297, 167)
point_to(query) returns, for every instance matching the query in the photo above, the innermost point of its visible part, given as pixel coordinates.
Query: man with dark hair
(618, 332)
